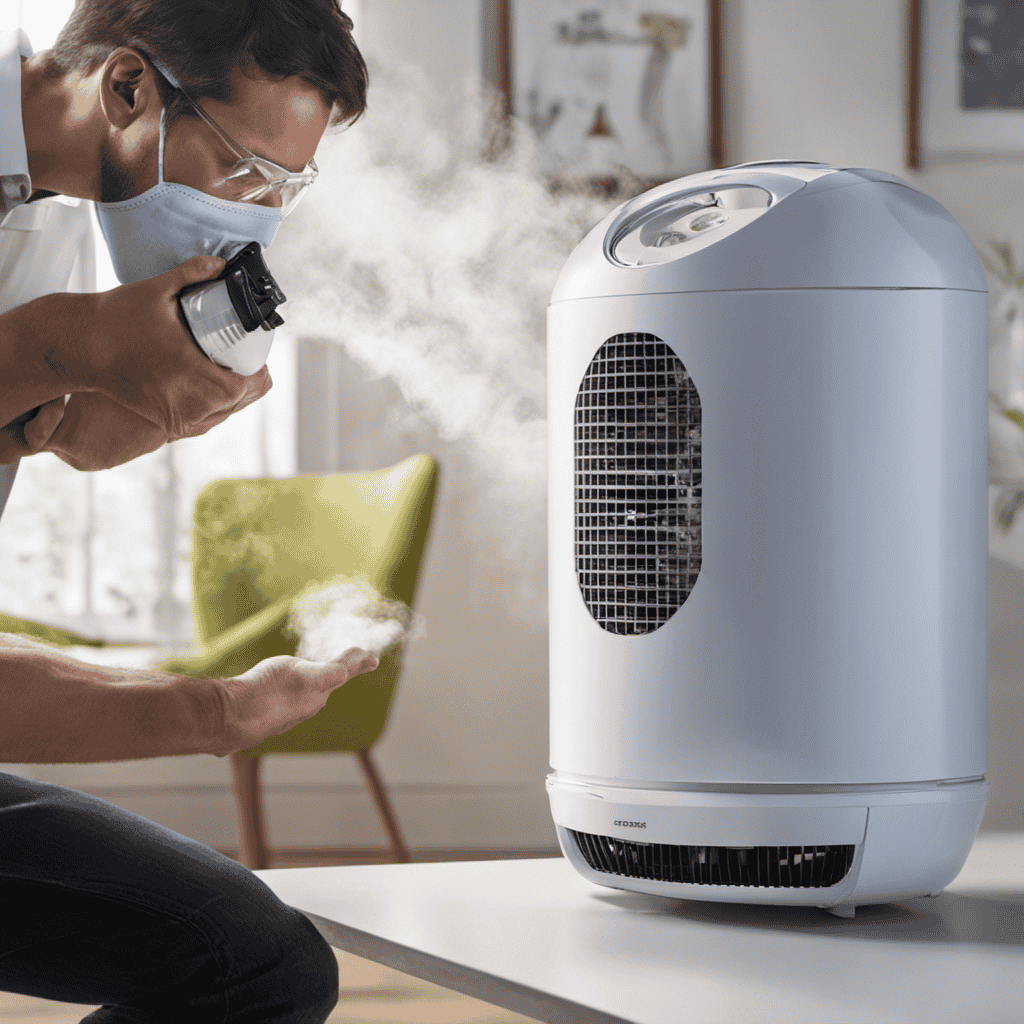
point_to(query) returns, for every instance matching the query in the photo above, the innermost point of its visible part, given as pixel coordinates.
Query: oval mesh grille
(637, 453)
(779, 867)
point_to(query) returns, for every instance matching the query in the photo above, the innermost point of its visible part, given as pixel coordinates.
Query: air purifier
(767, 409)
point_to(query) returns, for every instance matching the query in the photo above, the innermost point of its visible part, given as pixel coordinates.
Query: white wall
(445, 40)
(465, 753)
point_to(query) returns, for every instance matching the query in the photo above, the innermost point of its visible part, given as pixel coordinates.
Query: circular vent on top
(638, 484)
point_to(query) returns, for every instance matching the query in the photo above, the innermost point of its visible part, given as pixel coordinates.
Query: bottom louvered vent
(789, 867)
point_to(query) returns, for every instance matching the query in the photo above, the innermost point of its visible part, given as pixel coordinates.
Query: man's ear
(127, 87)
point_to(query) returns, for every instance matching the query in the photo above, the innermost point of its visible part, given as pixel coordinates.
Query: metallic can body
(219, 332)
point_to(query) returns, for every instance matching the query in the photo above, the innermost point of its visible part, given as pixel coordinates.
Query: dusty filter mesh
(329, 618)
(638, 484)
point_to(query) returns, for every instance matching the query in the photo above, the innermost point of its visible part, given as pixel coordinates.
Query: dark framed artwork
(965, 81)
(616, 86)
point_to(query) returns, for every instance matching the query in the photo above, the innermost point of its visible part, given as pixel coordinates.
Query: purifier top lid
(774, 224)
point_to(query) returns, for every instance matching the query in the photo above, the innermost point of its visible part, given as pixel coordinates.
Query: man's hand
(129, 344)
(137, 351)
(29, 433)
(281, 692)
(97, 433)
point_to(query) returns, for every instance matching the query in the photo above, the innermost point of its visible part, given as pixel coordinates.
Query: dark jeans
(99, 905)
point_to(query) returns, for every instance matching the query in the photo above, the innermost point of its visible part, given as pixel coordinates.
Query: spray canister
(223, 315)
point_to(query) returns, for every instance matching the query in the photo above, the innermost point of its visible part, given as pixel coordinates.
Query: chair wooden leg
(252, 822)
(399, 851)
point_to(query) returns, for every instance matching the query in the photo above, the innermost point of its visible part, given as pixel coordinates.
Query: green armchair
(51, 634)
(257, 544)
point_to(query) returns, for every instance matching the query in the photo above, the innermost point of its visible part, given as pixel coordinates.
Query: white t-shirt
(46, 246)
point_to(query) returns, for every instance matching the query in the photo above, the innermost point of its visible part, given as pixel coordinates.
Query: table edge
(509, 995)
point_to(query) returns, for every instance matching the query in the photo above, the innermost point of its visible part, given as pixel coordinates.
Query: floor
(370, 992)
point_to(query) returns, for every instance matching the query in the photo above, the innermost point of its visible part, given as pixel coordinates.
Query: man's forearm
(57, 710)
(42, 352)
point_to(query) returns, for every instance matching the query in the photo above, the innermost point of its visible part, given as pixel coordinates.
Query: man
(192, 124)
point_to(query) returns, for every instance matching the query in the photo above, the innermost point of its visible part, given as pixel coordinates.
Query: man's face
(281, 121)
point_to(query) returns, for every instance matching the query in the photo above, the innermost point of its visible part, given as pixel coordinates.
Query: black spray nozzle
(252, 289)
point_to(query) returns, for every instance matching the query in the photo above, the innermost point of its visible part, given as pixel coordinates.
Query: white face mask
(170, 223)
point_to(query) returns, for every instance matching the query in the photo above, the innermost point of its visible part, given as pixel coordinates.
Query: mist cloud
(433, 265)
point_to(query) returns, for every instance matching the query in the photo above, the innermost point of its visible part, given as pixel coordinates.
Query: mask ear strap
(160, 152)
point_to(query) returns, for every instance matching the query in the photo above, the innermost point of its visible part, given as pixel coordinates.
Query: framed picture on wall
(965, 88)
(617, 86)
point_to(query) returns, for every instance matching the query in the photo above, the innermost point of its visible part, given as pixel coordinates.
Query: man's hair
(203, 41)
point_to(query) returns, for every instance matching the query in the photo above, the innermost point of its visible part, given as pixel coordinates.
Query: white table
(534, 937)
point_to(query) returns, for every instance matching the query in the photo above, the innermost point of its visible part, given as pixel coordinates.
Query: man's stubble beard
(116, 182)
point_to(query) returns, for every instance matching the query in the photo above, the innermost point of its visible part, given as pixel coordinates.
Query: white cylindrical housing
(219, 332)
(768, 534)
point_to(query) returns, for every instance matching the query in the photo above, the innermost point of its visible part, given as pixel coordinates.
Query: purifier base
(832, 847)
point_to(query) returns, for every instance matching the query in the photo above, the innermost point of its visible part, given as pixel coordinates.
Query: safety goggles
(252, 177)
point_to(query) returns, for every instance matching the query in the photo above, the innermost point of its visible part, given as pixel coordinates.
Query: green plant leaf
(1006, 268)
(1016, 415)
